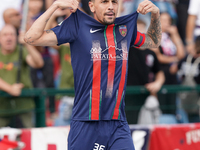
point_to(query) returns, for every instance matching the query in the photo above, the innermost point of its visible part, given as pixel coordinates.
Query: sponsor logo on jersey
(93, 31)
(98, 54)
(123, 30)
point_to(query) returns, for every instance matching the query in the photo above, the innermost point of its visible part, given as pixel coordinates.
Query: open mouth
(110, 14)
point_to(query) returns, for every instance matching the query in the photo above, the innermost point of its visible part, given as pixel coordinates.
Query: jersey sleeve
(67, 31)
(139, 40)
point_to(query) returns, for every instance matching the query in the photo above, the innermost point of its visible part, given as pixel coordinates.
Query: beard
(105, 19)
(108, 22)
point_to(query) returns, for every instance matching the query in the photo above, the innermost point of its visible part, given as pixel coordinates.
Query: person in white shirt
(193, 25)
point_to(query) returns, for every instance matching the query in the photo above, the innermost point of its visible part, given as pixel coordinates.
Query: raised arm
(154, 33)
(36, 35)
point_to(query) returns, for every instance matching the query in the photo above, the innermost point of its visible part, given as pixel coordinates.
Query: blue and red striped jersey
(99, 55)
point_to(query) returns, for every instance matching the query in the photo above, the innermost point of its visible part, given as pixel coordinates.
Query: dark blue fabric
(76, 31)
(100, 135)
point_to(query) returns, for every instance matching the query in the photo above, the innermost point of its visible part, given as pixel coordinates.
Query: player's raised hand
(147, 6)
(73, 4)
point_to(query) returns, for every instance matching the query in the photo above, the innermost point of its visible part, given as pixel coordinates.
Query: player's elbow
(29, 39)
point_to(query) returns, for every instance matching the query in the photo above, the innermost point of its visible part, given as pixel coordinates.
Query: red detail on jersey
(111, 61)
(96, 89)
(140, 38)
(120, 91)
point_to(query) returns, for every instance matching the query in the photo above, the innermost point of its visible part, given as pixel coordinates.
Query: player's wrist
(156, 11)
(55, 4)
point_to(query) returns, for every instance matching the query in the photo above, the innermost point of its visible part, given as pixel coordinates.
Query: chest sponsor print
(97, 53)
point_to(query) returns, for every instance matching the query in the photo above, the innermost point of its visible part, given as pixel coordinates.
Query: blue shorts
(100, 135)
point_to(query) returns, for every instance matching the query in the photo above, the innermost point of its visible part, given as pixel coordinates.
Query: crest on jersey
(123, 30)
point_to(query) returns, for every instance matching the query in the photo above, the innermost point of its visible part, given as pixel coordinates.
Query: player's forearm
(37, 29)
(154, 33)
(51, 23)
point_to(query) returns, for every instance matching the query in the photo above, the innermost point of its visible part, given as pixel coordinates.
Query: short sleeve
(67, 31)
(139, 40)
(194, 7)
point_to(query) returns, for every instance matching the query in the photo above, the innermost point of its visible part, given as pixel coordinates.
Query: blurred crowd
(175, 62)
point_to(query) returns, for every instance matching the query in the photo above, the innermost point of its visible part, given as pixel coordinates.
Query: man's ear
(91, 5)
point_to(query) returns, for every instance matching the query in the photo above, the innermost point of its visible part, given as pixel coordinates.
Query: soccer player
(99, 52)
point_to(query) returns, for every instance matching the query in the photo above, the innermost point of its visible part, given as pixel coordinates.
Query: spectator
(66, 78)
(34, 10)
(170, 51)
(167, 6)
(182, 15)
(163, 5)
(43, 77)
(189, 72)
(127, 7)
(66, 73)
(16, 112)
(16, 4)
(193, 25)
(12, 16)
(143, 68)
(66, 82)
